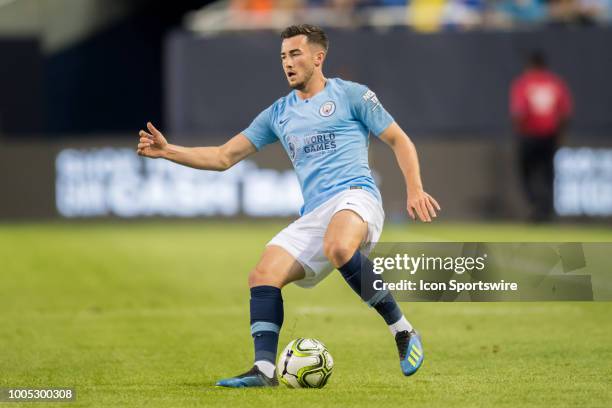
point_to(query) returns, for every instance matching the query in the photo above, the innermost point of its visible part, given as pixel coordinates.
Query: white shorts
(303, 238)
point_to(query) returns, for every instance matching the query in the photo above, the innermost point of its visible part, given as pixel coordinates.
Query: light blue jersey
(326, 138)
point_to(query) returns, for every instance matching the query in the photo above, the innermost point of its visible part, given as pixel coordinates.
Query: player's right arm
(153, 144)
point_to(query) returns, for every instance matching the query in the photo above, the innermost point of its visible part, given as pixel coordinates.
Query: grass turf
(152, 314)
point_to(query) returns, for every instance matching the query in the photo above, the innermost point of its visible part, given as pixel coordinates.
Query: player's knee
(338, 252)
(261, 276)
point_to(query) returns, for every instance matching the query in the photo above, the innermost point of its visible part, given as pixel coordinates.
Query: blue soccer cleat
(252, 378)
(410, 351)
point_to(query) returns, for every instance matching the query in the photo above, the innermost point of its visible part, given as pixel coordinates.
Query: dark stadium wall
(447, 84)
(112, 82)
(109, 82)
(21, 86)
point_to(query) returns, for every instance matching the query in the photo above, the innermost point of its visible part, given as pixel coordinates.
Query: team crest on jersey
(327, 109)
(292, 147)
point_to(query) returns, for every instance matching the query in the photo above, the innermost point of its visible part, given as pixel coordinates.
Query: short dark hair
(314, 34)
(537, 59)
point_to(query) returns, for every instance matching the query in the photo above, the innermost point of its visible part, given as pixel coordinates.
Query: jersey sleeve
(261, 132)
(367, 108)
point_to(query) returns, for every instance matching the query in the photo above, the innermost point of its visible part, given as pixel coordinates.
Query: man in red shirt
(540, 105)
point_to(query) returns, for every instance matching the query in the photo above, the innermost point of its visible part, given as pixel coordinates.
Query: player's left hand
(422, 205)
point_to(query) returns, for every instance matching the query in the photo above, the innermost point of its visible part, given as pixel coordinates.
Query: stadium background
(152, 311)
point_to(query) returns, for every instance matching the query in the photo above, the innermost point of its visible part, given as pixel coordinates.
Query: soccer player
(324, 125)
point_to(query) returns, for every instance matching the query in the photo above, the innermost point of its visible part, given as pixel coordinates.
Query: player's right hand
(152, 143)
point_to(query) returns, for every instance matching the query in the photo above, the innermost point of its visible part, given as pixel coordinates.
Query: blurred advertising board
(472, 180)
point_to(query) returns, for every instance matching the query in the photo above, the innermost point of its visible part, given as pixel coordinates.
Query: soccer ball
(305, 363)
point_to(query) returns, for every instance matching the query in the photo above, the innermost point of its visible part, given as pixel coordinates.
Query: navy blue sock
(266, 321)
(358, 272)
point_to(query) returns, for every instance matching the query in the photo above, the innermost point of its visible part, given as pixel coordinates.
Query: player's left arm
(418, 202)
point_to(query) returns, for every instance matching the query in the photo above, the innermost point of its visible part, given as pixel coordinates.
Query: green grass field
(152, 314)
